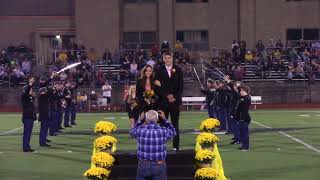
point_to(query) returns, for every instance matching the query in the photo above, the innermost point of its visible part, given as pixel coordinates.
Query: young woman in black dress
(146, 84)
(132, 105)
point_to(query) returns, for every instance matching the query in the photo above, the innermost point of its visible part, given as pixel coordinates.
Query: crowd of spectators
(300, 59)
(128, 63)
(15, 63)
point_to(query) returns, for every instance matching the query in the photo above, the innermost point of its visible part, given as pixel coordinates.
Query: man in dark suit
(29, 113)
(171, 80)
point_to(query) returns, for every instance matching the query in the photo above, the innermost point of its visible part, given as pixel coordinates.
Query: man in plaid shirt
(152, 139)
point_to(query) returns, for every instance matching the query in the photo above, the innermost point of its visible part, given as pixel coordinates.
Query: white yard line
(291, 137)
(300, 141)
(14, 130)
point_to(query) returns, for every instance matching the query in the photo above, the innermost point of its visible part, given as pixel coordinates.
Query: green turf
(273, 156)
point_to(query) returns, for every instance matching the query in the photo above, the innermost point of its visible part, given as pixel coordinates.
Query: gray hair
(152, 116)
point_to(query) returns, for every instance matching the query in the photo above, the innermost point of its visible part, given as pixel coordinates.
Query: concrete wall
(140, 17)
(37, 7)
(20, 29)
(98, 23)
(222, 23)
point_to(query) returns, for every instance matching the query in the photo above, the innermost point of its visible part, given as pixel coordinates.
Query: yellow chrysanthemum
(105, 127)
(205, 155)
(207, 138)
(97, 172)
(209, 125)
(206, 173)
(102, 159)
(104, 142)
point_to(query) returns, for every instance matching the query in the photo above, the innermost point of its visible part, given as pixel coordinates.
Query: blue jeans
(54, 121)
(244, 134)
(43, 131)
(211, 112)
(67, 116)
(27, 132)
(73, 111)
(235, 127)
(151, 170)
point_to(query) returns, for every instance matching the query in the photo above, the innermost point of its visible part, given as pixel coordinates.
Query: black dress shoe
(68, 126)
(47, 140)
(45, 145)
(235, 142)
(28, 150)
(61, 128)
(74, 124)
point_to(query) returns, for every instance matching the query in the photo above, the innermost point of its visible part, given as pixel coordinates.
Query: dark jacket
(43, 103)
(221, 97)
(27, 102)
(170, 85)
(210, 96)
(242, 109)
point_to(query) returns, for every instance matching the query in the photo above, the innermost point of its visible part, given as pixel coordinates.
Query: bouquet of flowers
(205, 156)
(209, 125)
(97, 173)
(207, 173)
(105, 127)
(207, 140)
(104, 143)
(148, 95)
(102, 159)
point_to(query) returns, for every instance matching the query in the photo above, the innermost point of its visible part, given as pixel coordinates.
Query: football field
(285, 145)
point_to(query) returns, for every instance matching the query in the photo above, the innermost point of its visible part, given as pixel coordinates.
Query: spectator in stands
(100, 77)
(93, 100)
(178, 45)
(151, 62)
(260, 49)
(63, 57)
(133, 69)
(299, 72)
(81, 100)
(271, 43)
(242, 50)
(125, 63)
(107, 57)
(106, 91)
(165, 46)
(249, 56)
(63, 76)
(239, 73)
(290, 72)
(92, 55)
(2, 71)
(279, 44)
(155, 50)
(277, 54)
(26, 66)
(17, 75)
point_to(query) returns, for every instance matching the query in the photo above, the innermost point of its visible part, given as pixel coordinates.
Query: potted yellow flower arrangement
(97, 173)
(205, 158)
(105, 127)
(207, 140)
(209, 125)
(206, 173)
(104, 143)
(103, 160)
